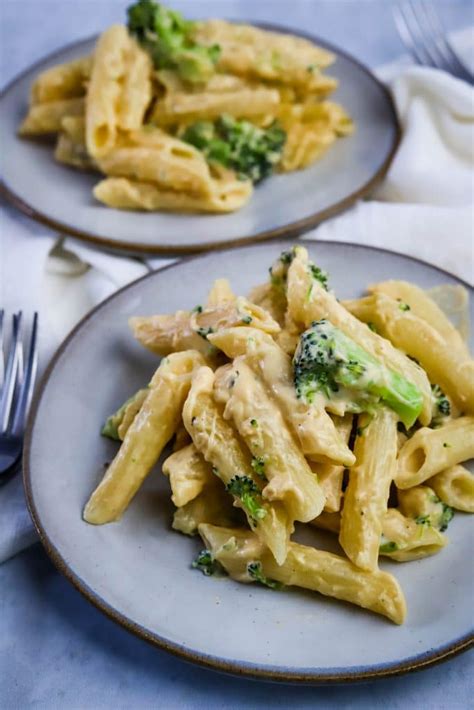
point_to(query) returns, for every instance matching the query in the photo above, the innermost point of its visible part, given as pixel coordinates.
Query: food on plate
(291, 407)
(187, 115)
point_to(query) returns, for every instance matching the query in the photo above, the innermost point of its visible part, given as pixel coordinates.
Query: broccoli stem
(326, 359)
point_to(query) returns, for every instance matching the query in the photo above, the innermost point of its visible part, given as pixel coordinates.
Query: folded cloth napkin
(423, 208)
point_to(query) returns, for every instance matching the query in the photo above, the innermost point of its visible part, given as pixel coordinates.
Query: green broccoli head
(244, 488)
(326, 360)
(207, 564)
(255, 572)
(251, 151)
(167, 37)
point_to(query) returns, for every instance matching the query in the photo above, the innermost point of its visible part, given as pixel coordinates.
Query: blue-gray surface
(56, 650)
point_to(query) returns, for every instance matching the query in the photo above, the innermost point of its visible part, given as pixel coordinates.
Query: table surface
(56, 650)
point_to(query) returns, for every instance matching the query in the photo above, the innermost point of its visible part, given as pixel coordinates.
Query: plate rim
(288, 231)
(243, 669)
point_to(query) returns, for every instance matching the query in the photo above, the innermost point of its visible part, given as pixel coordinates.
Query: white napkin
(423, 208)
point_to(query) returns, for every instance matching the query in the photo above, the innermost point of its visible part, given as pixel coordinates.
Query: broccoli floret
(251, 151)
(423, 520)
(445, 517)
(244, 488)
(254, 570)
(167, 37)
(326, 360)
(207, 564)
(441, 406)
(258, 465)
(279, 271)
(319, 275)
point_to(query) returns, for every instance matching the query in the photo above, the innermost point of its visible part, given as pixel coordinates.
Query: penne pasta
(47, 118)
(330, 476)
(430, 451)
(213, 505)
(245, 558)
(216, 440)
(424, 307)
(182, 330)
(145, 439)
(455, 487)
(308, 301)
(277, 459)
(312, 426)
(221, 292)
(449, 367)
(63, 81)
(366, 496)
(188, 473)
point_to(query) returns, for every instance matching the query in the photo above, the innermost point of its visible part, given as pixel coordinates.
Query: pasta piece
(188, 472)
(424, 307)
(118, 423)
(430, 451)
(274, 56)
(402, 539)
(453, 301)
(330, 476)
(271, 300)
(446, 365)
(213, 505)
(242, 555)
(366, 496)
(221, 292)
(220, 446)
(47, 118)
(119, 91)
(277, 458)
(63, 81)
(308, 301)
(182, 438)
(455, 487)
(313, 427)
(182, 330)
(121, 193)
(144, 441)
(71, 146)
(153, 156)
(223, 94)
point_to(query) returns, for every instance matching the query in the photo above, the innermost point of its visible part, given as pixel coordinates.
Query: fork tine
(443, 43)
(10, 372)
(2, 363)
(406, 33)
(26, 388)
(435, 59)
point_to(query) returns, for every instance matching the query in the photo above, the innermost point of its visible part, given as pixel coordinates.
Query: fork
(422, 33)
(16, 389)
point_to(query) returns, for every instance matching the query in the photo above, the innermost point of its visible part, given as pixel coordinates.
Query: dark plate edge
(292, 230)
(413, 664)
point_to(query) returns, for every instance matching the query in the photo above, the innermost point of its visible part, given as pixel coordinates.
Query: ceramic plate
(281, 206)
(138, 571)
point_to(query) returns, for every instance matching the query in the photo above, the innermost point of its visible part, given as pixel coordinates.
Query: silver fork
(422, 33)
(16, 389)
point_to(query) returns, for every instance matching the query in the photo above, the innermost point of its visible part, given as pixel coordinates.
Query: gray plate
(284, 205)
(138, 570)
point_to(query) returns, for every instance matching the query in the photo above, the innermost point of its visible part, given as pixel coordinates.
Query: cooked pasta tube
(366, 496)
(402, 539)
(246, 559)
(422, 504)
(63, 81)
(455, 487)
(181, 438)
(217, 441)
(221, 292)
(277, 458)
(430, 451)
(46, 118)
(188, 472)
(71, 145)
(424, 307)
(312, 426)
(330, 476)
(271, 300)
(182, 330)
(151, 155)
(308, 301)
(126, 194)
(118, 423)
(145, 439)
(213, 505)
(448, 366)
(249, 51)
(136, 89)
